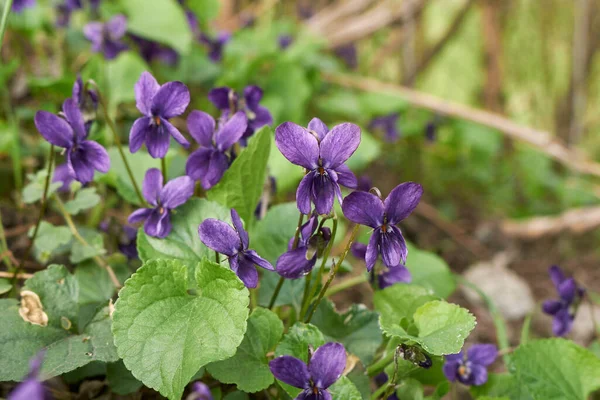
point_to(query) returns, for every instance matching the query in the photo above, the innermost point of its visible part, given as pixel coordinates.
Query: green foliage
(5, 285)
(84, 199)
(167, 327)
(249, 367)
(410, 389)
(120, 379)
(183, 242)
(410, 313)
(242, 184)
(49, 239)
(121, 75)
(94, 246)
(430, 271)
(68, 345)
(501, 385)
(357, 329)
(164, 22)
(34, 190)
(556, 369)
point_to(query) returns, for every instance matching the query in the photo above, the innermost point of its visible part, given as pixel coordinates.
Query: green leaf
(205, 9)
(93, 248)
(94, 282)
(501, 385)
(183, 242)
(357, 329)
(34, 190)
(410, 389)
(553, 369)
(343, 388)
(271, 235)
(164, 22)
(122, 73)
(84, 199)
(120, 379)
(5, 285)
(242, 184)
(263, 333)
(49, 239)
(165, 334)
(430, 271)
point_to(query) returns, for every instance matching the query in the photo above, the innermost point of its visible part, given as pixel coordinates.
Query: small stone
(583, 325)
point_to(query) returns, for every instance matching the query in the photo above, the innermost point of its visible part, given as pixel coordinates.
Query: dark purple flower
(225, 99)
(127, 242)
(158, 104)
(19, 5)
(324, 368)
(106, 37)
(397, 274)
(62, 174)
(162, 199)
(471, 369)
(364, 183)
(200, 391)
(31, 388)
(300, 261)
(87, 101)
(209, 163)
(565, 308)
(323, 154)
(233, 242)
(388, 125)
(83, 156)
(154, 51)
(348, 54)
(367, 209)
(193, 23)
(285, 41)
(64, 11)
(215, 46)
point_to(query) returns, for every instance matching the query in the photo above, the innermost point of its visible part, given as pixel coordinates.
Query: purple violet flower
(154, 51)
(324, 368)
(565, 308)
(471, 368)
(348, 54)
(364, 183)
(64, 11)
(83, 156)
(162, 199)
(323, 153)
(158, 104)
(127, 242)
(367, 209)
(300, 261)
(225, 98)
(87, 101)
(62, 174)
(18, 6)
(215, 46)
(285, 41)
(233, 242)
(388, 124)
(31, 388)
(431, 131)
(201, 391)
(106, 37)
(209, 162)
(397, 274)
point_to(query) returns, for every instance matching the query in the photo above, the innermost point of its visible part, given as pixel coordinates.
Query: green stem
(326, 253)
(5, 12)
(333, 272)
(4, 248)
(217, 258)
(163, 167)
(380, 365)
(112, 127)
(379, 392)
(392, 382)
(282, 279)
(357, 280)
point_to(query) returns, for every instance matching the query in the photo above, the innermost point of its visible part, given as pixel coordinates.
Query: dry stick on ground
(541, 140)
(20, 275)
(340, 9)
(575, 220)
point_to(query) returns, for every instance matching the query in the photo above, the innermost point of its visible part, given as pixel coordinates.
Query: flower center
(321, 170)
(156, 120)
(161, 210)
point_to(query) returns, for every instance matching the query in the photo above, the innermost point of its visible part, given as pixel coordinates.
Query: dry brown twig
(575, 221)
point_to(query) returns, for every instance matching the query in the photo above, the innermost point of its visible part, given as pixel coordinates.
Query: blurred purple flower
(565, 308)
(128, 242)
(62, 174)
(18, 6)
(348, 54)
(367, 209)
(31, 388)
(83, 156)
(209, 162)
(226, 99)
(158, 104)
(153, 51)
(471, 368)
(323, 153)
(300, 261)
(233, 242)
(391, 276)
(200, 391)
(285, 41)
(388, 124)
(162, 199)
(324, 368)
(215, 46)
(106, 37)
(431, 131)
(364, 183)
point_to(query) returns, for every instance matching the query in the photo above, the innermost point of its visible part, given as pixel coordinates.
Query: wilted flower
(397, 274)
(323, 154)
(215, 46)
(87, 101)
(62, 174)
(31, 388)
(388, 124)
(226, 100)
(200, 391)
(158, 104)
(367, 209)
(106, 37)
(565, 308)
(471, 368)
(233, 242)
(19, 5)
(299, 261)
(209, 162)
(83, 156)
(162, 199)
(324, 368)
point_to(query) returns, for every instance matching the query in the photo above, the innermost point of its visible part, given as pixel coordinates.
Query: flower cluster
(470, 368)
(565, 308)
